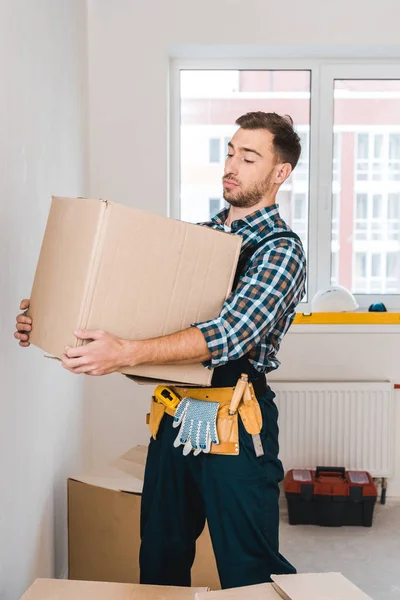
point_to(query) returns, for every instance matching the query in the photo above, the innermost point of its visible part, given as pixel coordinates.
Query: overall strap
(248, 253)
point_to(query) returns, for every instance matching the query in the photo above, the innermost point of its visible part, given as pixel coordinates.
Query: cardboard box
(51, 589)
(303, 586)
(103, 526)
(132, 273)
(104, 542)
(315, 586)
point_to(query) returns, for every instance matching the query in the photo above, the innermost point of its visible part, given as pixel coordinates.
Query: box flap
(127, 473)
(128, 484)
(137, 454)
(154, 382)
(318, 586)
(263, 591)
(189, 374)
(132, 462)
(53, 589)
(303, 586)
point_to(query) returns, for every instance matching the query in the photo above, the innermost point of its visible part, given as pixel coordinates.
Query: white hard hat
(334, 299)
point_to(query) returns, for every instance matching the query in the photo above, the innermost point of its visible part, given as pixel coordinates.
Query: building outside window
(343, 199)
(215, 206)
(214, 150)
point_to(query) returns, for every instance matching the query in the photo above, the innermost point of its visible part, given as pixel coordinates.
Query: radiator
(345, 424)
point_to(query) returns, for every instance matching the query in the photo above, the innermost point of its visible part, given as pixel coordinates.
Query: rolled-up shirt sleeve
(274, 281)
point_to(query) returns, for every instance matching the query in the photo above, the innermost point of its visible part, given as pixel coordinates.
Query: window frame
(323, 73)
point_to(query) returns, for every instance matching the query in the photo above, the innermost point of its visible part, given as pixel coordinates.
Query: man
(238, 495)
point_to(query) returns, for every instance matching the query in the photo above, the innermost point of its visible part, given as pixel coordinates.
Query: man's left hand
(104, 354)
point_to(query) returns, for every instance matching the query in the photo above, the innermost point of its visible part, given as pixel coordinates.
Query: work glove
(198, 421)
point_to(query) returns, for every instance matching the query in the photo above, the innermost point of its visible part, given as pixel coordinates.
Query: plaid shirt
(256, 315)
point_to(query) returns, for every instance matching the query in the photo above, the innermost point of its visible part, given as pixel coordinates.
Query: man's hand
(24, 325)
(104, 354)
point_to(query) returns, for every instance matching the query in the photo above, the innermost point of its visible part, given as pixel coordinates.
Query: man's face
(249, 168)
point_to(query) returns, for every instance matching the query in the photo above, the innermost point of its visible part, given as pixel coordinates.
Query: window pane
(227, 139)
(394, 146)
(361, 264)
(215, 206)
(367, 118)
(300, 204)
(211, 101)
(362, 206)
(302, 168)
(376, 206)
(394, 206)
(392, 265)
(378, 146)
(376, 265)
(363, 144)
(214, 150)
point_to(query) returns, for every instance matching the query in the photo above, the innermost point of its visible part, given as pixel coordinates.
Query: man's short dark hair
(286, 142)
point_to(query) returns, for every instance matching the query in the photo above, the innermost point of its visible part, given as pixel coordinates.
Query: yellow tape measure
(166, 396)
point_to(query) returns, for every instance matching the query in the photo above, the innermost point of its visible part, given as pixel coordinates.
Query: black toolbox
(330, 496)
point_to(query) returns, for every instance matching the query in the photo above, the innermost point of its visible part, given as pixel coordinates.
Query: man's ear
(283, 171)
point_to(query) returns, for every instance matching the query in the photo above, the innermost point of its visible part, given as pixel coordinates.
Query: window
(362, 156)
(376, 206)
(394, 156)
(365, 111)
(376, 265)
(394, 206)
(218, 149)
(210, 102)
(373, 152)
(214, 150)
(361, 265)
(215, 205)
(300, 207)
(301, 172)
(362, 207)
(343, 198)
(392, 265)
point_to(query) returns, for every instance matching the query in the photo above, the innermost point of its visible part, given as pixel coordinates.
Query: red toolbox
(330, 496)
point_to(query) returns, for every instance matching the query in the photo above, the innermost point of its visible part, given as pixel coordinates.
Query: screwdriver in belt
(242, 390)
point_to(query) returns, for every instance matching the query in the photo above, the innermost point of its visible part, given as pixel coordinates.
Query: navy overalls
(238, 495)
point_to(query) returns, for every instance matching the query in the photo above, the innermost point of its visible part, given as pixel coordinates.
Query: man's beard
(249, 197)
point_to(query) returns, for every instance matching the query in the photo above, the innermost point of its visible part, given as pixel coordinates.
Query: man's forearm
(184, 347)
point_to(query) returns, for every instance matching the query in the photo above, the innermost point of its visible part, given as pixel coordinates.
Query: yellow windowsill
(349, 318)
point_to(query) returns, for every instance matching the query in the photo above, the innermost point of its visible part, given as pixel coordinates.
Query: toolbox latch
(307, 491)
(356, 493)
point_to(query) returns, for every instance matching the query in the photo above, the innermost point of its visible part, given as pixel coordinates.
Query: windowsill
(348, 318)
(347, 322)
(344, 328)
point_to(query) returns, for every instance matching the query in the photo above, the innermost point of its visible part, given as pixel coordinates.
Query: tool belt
(227, 423)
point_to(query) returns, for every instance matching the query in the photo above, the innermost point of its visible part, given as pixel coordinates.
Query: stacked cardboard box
(103, 525)
(314, 586)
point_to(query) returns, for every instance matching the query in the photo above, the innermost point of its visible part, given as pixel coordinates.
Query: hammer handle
(238, 393)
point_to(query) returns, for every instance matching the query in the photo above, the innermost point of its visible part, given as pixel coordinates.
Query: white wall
(130, 44)
(44, 424)
(42, 152)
